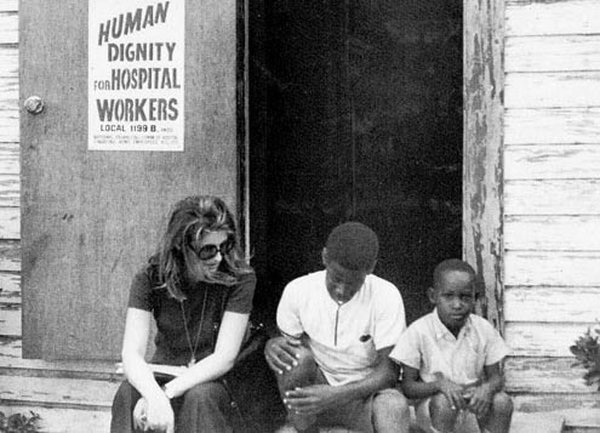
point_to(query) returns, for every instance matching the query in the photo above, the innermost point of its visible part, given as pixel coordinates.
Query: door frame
(483, 171)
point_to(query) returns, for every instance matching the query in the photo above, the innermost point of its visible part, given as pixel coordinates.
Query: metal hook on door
(34, 105)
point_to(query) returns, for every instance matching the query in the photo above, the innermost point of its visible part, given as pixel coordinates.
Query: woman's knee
(126, 395)
(209, 393)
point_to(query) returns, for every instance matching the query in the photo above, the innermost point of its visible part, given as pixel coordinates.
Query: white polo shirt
(428, 346)
(344, 338)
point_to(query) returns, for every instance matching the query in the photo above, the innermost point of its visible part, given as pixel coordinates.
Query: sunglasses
(209, 251)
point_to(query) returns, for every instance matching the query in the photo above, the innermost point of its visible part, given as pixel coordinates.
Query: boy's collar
(441, 330)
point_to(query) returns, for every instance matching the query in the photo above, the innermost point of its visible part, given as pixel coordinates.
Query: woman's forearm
(140, 376)
(208, 369)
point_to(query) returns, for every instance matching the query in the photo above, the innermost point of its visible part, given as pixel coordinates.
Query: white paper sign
(136, 74)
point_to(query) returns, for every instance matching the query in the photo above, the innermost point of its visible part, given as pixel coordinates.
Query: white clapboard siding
(552, 233)
(9, 126)
(9, 93)
(538, 90)
(544, 375)
(552, 161)
(9, 61)
(539, 339)
(555, 268)
(10, 256)
(552, 304)
(552, 197)
(556, 17)
(9, 5)
(9, 158)
(9, 190)
(9, 25)
(10, 288)
(552, 53)
(552, 126)
(10, 223)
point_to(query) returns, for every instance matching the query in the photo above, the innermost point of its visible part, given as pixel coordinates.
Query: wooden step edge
(64, 420)
(51, 371)
(97, 407)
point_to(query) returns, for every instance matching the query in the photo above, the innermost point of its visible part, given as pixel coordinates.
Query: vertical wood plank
(483, 111)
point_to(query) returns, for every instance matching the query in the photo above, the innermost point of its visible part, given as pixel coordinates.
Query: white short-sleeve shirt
(428, 346)
(344, 338)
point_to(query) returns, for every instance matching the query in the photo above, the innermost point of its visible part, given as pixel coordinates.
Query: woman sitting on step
(198, 288)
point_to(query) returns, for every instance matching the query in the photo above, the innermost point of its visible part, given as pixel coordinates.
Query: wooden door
(91, 218)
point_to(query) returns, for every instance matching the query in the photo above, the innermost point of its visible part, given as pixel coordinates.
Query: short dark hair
(450, 265)
(353, 246)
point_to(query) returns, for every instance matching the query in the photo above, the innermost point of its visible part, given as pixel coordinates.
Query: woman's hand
(281, 353)
(155, 414)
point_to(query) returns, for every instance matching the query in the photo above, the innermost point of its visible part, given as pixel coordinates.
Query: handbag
(251, 385)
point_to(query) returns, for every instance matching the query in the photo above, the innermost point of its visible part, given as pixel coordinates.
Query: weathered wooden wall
(10, 257)
(551, 192)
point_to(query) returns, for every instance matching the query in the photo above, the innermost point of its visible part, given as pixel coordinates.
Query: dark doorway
(355, 114)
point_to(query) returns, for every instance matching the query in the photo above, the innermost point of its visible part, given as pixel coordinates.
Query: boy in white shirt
(338, 327)
(451, 359)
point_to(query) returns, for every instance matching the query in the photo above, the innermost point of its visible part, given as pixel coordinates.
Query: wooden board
(9, 25)
(10, 321)
(57, 392)
(540, 339)
(9, 5)
(9, 223)
(552, 90)
(563, 269)
(552, 53)
(66, 420)
(555, 17)
(577, 409)
(9, 61)
(483, 37)
(564, 161)
(9, 190)
(552, 126)
(9, 94)
(552, 304)
(9, 126)
(10, 288)
(10, 256)
(552, 197)
(552, 233)
(544, 375)
(9, 158)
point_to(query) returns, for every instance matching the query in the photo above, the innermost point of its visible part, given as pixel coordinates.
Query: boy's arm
(415, 388)
(483, 395)
(317, 398)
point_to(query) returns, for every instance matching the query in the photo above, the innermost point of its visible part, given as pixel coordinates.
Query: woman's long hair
(189, 220)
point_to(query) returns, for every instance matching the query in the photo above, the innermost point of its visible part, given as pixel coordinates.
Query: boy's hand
(481, 400)
(312, 399)
(453, 392)
(281, 354)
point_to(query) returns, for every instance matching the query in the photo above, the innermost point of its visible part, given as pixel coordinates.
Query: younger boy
(451, 359)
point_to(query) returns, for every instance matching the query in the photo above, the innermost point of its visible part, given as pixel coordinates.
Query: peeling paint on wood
(9, 25)
(552, 304)
(552, 53)
(565, 161)
(552, 233)
(560, 17)
(544, 375)
(552, 126)
(482, 188)
(540, 339)
(9, 61)
(553, 268)
(552, 90)
(552, 197)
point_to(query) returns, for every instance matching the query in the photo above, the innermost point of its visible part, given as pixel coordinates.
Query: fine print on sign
(136, 74)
